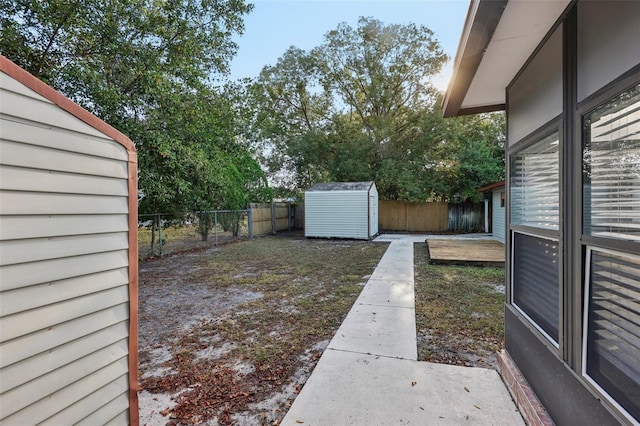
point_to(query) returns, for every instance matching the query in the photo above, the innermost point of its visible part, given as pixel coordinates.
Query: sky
(275, 25)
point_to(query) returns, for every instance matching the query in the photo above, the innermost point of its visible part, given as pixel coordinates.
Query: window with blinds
(612, 168)
(536, 280)
(612, 337)
(535, 184)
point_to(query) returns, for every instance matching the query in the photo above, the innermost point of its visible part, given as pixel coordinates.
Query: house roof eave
(498, 39)
(481, 22)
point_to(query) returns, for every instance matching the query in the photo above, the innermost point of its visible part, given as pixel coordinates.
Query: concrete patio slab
(356, 389)
(386, 293)
(369, 374)
(377, 330)
(394, 272)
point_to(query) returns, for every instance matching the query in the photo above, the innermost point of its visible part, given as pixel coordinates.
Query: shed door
(373, 214)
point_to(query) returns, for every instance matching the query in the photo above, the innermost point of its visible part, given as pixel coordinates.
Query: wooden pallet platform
(466, 252)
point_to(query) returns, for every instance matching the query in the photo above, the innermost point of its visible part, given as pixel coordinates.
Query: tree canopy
(362, 106)
(153, 70)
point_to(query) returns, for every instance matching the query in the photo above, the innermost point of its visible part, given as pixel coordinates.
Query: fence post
(215, 225)
(273, 218)
(160, 235)
(250, 222)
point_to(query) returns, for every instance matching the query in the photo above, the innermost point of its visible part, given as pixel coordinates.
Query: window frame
(585, 330)
(585, 110)
(553, 126)
(535, 325)
(536, 137)
(590, 243)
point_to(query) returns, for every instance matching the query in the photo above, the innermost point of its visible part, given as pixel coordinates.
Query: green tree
(381, 74)
(150, 69)
(361, 106)
(473, 156)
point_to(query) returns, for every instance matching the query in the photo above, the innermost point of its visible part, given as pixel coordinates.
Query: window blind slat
(613, 327)
(535, 185)
(612, 168)
(535, 281)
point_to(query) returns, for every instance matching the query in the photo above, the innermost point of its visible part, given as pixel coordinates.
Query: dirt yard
(229, 335)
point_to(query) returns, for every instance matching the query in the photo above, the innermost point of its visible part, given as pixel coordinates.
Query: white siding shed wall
(64, 265)
(342, 210)
(498, 215)
(336, 214)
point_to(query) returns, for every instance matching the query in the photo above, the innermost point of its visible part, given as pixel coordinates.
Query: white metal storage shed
(68, 260)
(341, 210)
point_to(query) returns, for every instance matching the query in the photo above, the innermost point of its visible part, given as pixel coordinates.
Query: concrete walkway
(369, 374)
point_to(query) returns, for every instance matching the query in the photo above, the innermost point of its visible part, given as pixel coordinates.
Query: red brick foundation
(526, 400)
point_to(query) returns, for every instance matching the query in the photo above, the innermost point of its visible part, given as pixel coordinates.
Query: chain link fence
(163, 234)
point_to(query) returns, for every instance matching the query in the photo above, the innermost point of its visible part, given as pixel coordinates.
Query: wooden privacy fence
(274, 217)
(393, 216)
(466, 217)
(400, 216)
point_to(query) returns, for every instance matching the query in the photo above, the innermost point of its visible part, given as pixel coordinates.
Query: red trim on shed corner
(41, 88)
(38, 86)
(134, 386)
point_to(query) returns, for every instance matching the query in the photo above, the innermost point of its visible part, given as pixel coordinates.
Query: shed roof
(342, 186)
(498, 38)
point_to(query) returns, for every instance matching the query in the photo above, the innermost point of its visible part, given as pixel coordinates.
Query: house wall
(596, 46)
(64, 266)
(535, 97)
(337, 214)
(607, 47)
(498, 215)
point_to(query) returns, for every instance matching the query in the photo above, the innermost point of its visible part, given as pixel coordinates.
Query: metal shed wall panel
(498, 216)
(337, 214)
(64, 265)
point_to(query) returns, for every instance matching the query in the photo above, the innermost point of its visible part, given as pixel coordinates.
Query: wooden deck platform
(466, 252)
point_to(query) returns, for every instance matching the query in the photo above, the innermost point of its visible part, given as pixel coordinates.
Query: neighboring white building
(341, 210)
(68, 260)
(498, 210)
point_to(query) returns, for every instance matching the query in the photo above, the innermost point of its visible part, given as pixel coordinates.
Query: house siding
(498, 216)
(535, 97)
(608, 34)
(64, 265)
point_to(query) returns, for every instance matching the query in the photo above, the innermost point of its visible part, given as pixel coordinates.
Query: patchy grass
(459, 312)
(232, 333)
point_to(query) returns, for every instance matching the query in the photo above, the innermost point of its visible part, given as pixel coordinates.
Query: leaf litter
(230, 335)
